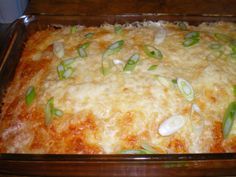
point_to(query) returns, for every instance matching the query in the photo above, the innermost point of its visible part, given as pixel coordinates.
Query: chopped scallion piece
(105, 71)
(64, 70)
(186, 89)
(49, 111)
(233, 55)
(148, 148)
(68, 62)
(85, 45)
(174, 81)
(152, 52)
(228, 120)
(191, 35)
(30, 95)
(191, 38)
(214, 55)
(152, 67)
(82, 50)
(222, 37)
(190, 41)
(89, 35)
(57, 112)
(131, 63)
(60, 71)
(74, 29)
(113, 48)
(215, 46)
(182, 25)
(67, 73)
(139, 151)
(118, 29)
(163, 80)
(106, 67)
(233, 46)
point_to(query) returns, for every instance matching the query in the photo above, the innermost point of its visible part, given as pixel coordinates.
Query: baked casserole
(141, 88)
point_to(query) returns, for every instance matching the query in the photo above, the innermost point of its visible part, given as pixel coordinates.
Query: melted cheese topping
(119, 111)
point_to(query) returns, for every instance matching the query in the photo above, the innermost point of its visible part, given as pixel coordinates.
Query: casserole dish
(135, 165)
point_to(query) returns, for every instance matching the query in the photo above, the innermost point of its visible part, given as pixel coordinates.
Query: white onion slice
(58, 49)
(196, 108)
(118, 62)
(160, 35)
(172, 125)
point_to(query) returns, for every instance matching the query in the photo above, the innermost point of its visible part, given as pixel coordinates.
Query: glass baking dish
(101, 165)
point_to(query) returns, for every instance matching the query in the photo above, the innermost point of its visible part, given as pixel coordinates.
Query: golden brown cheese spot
(186, 110)
(230, 144)
(177, 145)
(131, 142)
(209, 95)
(201, 104)
(75, 137)
(217, 138)
(41, 138)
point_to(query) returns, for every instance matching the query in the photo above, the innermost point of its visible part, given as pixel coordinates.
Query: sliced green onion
(67, 73)
(233, 55)
(139, 151)
(234, 90)
(152, 52)
(118, 29)
(68, 62)
(185, 88)
(113, 48)
(174, 81)
(163, 80)
(214, 55)
(191, 38)
(222, 37)
(57, 112)
(85, 45)
(60, 71)
(30, 95)
(64, 70)
(105, 70)
(106, 67)
(82, 50)
(191, 35)
(233, 46)
(182, 25)
(89, 35)
(74, 29)
(152, 67)
(228, 120)
(148, 148)
(190, 41)
(49, 111)
(215, 46)
(132, 62)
